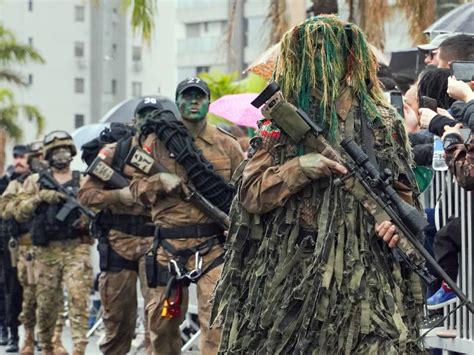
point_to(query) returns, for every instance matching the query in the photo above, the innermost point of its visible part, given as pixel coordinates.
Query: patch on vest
(269, 130)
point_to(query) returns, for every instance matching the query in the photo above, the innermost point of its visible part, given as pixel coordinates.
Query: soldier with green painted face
(307, 268)
(184, 233)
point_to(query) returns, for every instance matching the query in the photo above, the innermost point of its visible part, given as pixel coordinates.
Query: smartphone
(396, 100)
(463, 71)
(428, 102)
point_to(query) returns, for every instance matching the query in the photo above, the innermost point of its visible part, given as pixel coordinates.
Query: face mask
(193, 105)
(61, 158)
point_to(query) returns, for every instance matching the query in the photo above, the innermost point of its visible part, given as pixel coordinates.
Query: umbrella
(460, 19)
(265, 63)
(237, 109)
(123, 112)
(86, 133)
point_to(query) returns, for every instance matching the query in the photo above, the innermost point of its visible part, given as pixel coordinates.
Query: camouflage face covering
(311, 276)
(193, 104)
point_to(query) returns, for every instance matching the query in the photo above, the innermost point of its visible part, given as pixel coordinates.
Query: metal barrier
(452, 201)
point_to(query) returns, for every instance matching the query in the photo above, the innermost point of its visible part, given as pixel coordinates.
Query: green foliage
(12, 52)
(143, 13)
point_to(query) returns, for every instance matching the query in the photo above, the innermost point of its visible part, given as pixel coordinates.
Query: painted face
(140, 118)
(193, 104)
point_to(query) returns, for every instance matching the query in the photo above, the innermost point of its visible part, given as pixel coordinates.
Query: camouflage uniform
(26, 266)
(460, 159)
(167, 211)
(61, 262)
(118, 287)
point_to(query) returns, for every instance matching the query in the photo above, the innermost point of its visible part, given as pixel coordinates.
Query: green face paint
(193, 105)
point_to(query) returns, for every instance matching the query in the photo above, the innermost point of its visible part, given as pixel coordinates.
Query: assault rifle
(380, 198)
(102, 171)
(47, 180)
(142, 161)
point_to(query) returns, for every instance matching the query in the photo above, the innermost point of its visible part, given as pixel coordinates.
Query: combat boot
(58, 345)
(28, 347)
(3, 335)
(12, 346)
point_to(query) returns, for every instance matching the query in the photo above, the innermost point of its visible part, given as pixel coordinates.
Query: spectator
(430, 50)
(459, 47)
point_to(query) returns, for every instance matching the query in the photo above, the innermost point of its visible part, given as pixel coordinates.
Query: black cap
(193, 82)
(19, 150)
(149, 102)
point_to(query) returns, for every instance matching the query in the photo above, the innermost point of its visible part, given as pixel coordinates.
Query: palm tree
(12, 52)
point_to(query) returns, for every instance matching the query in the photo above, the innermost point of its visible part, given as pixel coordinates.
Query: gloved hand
(52, 197)
(125, 196)
(170, 183)
(316, 166)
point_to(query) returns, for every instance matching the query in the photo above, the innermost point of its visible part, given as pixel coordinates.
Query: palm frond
(277, 17)
(6, 96)
(373, 15)
(9, 122)
(13, 77)
(143, 16)
(11, 51)
(420, 14)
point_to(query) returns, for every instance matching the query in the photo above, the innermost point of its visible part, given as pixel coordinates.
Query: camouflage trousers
(65, 263)
(165, 333)
(28, 311)
(118, 295)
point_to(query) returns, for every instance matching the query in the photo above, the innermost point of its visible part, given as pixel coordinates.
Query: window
(30, 79)
(193, 30)
(137, 54)
(30, 41)
(136, 88)
(30, 5)
(114, 87)
(79, 85)
(79, 49)
(201, 69)
(78, 120)
(79, 13)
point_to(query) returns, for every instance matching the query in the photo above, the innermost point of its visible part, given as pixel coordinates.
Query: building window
(137, 54)
(79, 13)
(136, 88)
(193, 30)
(201, 69)
(30, 79)
(78, 120)
(30, 5)
(114, 87)
(79, 85)
(79, 49)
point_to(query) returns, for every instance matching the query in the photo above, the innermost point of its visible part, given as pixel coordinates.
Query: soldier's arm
(146, 188)
(235, 154)
(92, 194)
(26, 206)
(7, 196)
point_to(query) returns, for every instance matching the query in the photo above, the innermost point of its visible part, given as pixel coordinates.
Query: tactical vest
(46, 227)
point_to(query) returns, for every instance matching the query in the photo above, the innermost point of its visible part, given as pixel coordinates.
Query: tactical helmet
(57, 139)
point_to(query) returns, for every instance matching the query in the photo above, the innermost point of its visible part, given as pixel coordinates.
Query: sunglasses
(52, 136)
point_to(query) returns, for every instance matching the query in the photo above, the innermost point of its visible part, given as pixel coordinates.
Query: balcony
(204, 10)
(202, 51)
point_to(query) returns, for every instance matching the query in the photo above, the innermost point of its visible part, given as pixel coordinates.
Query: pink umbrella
(236, 108)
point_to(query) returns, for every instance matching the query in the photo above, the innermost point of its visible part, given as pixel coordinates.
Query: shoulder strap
(121, 151)
(76, 179)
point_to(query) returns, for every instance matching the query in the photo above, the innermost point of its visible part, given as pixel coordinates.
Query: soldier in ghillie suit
(305, 271)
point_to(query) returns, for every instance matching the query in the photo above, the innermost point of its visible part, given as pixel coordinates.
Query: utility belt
(138, 226)
(159, 275)
(111, 261)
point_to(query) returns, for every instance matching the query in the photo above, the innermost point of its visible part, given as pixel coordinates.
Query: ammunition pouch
(111, 261)
(47, 228)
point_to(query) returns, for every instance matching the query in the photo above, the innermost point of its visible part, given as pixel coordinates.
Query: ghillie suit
(304, 270)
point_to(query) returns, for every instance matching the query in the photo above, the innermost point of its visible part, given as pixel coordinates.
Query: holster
(13, 249)
(111, 261)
